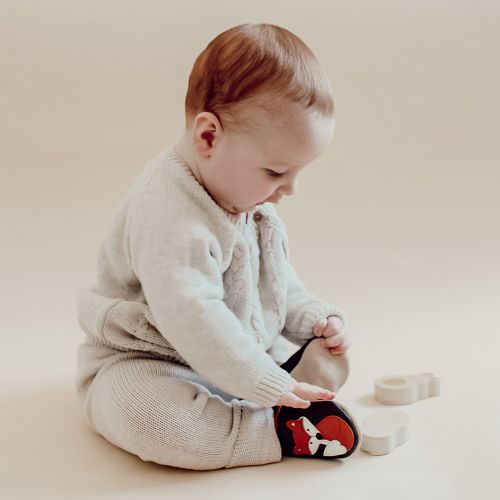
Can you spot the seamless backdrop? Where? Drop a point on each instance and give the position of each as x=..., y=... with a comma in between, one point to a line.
x=397, y=224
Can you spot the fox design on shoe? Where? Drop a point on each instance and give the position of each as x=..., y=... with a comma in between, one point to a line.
x=325, y=429
x=332, y=436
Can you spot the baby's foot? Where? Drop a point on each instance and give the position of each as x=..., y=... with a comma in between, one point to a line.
x=324, y=430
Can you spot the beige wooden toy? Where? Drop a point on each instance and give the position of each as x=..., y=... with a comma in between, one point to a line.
x=384, y=430
x=405, y=389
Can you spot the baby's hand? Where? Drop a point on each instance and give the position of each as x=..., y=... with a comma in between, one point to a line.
x=302, y=393
x=335, y=338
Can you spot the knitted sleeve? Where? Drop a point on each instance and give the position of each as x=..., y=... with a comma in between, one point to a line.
x=178, y=263
x=303, y=308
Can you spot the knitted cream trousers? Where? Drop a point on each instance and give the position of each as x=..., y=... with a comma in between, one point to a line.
x=166, y=413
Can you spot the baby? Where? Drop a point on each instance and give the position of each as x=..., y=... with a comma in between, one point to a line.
x=184, y=362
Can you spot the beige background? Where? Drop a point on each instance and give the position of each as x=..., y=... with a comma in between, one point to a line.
x=397, y=224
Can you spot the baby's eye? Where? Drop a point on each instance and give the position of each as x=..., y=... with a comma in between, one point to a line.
x=272, y=173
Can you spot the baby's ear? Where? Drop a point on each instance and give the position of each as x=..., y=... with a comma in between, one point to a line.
x=209, y=137
x=204, y=131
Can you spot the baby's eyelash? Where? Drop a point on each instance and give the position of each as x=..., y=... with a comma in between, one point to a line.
x=272, y=173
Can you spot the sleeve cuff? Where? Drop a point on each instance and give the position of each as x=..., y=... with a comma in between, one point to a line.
x=314, y=314
x=274, y=383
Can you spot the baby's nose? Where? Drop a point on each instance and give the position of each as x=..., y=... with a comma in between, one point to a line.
x=289, y=187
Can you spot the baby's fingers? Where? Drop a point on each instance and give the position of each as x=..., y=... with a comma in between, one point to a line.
x=312, y=392
x=290, y=399
x=319, y=327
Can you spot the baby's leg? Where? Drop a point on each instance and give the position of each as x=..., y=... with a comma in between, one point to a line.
x=166, y=413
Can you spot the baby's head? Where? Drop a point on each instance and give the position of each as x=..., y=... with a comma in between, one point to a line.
x=259, y=108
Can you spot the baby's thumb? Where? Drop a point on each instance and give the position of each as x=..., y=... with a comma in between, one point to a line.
x=320, y=326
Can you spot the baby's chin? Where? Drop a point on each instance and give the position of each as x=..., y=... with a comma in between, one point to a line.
x=238, y=210
x=235, y=210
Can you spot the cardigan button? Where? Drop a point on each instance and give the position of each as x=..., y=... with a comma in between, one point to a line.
x=257, y=216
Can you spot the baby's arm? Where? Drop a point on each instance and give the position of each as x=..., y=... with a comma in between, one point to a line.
x=179, y=266
x=303, y=310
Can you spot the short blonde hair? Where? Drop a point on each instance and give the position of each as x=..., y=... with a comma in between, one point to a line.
x=256, y=66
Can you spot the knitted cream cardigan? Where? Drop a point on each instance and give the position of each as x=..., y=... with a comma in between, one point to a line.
x=179, y=276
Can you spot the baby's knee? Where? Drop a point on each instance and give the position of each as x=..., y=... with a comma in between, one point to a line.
x=185, y=437
x=189, y=428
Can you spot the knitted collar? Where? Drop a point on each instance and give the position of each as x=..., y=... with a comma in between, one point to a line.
x=173, y=159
